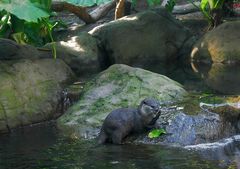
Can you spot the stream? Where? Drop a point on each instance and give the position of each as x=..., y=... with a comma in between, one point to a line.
x=42, y=146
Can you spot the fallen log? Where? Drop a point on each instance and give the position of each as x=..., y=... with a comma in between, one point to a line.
x=184, y=9
x=82, y=12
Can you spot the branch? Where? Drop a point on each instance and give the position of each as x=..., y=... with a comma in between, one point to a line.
x=82, y=13
x=188, y=8
x=102, y=10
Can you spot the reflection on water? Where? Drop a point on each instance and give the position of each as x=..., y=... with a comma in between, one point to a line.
x=43, y=147
x=223, y=78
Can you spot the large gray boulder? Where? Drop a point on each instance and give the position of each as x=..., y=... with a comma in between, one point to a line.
x=145, y=39
x=30, y=91
x=118, y=86
x=221, y=45
x=81, y=53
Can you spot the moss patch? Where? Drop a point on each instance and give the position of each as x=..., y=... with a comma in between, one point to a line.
x=117, y=87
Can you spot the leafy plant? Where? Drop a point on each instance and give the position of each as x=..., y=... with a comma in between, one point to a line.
x=156, y=133
x=170, y=5
x=86, y=2
x=27, y=21
x=153, y=2
x=212, y=11
x=24, y=9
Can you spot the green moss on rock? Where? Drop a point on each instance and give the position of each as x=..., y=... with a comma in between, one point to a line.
x=118, y=86
x=29, y=90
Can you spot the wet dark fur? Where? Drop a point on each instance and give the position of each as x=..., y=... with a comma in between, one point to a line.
x=121, y=122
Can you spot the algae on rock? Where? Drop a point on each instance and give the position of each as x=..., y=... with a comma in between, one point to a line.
x=30, y=90
x=118, y=86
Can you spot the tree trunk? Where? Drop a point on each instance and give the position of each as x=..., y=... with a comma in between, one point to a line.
x=216, y=17
x=102, y=10
x=187, y=8
x=79, y=11
x=119, y=11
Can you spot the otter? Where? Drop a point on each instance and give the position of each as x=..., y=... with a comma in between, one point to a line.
x=121, y=122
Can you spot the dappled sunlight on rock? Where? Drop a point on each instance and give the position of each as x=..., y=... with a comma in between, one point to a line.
x=73, y=44
x=81, y=53
x=129, y=18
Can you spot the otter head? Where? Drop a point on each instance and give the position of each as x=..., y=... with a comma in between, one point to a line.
x=149, y=110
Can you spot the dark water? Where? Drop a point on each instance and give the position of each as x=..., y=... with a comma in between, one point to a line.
x=43, y=147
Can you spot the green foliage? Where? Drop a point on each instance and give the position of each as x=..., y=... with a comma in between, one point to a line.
x=209, y=5
x=86, y=2
x=24, y=9
x=154, y=2
x=27, y=21
x=170, y=5
x=4, y=19
x=156, y=133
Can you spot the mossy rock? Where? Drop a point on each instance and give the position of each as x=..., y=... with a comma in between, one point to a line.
x=118, y=86
x=30, y=90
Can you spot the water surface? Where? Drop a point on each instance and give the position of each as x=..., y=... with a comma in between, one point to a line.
x=42, y=146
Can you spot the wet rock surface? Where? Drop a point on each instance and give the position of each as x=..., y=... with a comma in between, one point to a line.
x=183, y=129
x=30, y=91
x=220, y=77
x=213, y=133
x=117, y=87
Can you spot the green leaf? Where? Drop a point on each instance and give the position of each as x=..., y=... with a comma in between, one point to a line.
x=204, y=4
x=153, y=2
x=170, y=5
x=218, y=4
x=134, y=3
x=23, y=9
x=43, y=4
x=4, y=25
x=86, y=2
x=20, y=38
x=156, y=133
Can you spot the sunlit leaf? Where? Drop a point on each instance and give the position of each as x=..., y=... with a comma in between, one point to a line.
x=156, y=133
x=43, y=4
x=4, y=25
x=204, y=4
x=20, y=38
x=23, y=9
